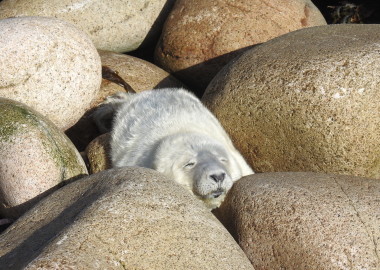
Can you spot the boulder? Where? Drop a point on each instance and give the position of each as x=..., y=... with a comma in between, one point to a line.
x=114, y=25
x=305, y=101
x=305, y=220
x=139, y=74
x=97, y=153
x=200, y=37
x=125, y=218
x=36, y=158
x=49, y=65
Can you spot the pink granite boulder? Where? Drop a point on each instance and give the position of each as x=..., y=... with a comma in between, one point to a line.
x=49, y=65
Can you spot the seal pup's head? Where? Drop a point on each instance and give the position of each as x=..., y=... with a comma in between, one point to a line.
x=198, y=162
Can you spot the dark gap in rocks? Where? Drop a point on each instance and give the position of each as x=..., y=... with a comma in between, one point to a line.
x=353, y=11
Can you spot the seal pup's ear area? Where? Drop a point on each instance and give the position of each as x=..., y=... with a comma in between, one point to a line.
x=105, y=113
x=164, y=157
x=240, y=165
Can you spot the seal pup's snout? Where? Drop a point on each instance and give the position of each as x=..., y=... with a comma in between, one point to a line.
x=218, y=177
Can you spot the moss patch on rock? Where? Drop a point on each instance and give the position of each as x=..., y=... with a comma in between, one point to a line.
x=17, y=118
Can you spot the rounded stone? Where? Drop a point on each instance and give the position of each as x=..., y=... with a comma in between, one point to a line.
x=305, y=101
x=36, y=157
x=125, y=218
x=49, y=65
x=200, y=37
x=98, y=152
x=305, y=220
x=139, y=74
x=115, y=25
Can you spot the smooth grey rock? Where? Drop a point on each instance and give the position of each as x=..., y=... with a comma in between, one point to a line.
x=306, y=221
x=126, y=218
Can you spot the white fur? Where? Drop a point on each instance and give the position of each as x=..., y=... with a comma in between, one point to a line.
x=169, y=130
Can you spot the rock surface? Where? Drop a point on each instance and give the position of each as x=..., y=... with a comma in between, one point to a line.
x=306, y=220
x=115, y=25
x=129, y=218
x=36, y=157
x=305, y=101
x=139, y=74
x=97, y=153
x=200, y=37
x=49, y=65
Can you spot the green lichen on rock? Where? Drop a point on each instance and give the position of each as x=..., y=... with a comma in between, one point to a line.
x=18, y=118
x=14, y=118
x=62, y=150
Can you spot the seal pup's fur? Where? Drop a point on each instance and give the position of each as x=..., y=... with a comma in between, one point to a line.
x=171, y=131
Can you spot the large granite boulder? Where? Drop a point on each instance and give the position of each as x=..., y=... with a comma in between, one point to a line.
x=305, y=220
x=126, y=218
x=36, y=158
x=49, y=65
x=115, y=25
x=200, y=37
x=305, y=101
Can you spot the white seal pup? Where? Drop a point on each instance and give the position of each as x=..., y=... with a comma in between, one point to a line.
x=171, y=131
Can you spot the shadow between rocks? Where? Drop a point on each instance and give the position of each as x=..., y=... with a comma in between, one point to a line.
x=83, y=131
x=31, y=247
x=361, y=11
x=146, y=50
x=198, y=76
x=24, y=207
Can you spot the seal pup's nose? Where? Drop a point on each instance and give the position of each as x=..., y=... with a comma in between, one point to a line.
x=218, y=177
